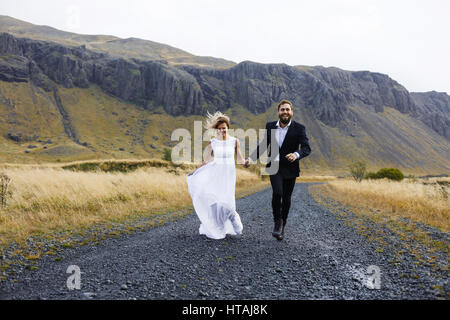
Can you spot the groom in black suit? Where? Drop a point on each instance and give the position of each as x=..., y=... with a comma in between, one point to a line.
x=289, y=135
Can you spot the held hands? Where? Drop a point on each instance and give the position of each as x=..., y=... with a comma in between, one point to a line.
x=291, y=157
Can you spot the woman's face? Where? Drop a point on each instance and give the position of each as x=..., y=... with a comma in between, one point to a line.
x=222, y=130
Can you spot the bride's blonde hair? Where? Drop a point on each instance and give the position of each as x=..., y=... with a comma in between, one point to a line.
x=213, y=120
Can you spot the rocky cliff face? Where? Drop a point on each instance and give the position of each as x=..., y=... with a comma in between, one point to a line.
x=123, y=48
x=147, y=83
x=434, y=110
x=326, y=92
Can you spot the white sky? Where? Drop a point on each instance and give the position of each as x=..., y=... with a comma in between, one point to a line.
x=406, y=39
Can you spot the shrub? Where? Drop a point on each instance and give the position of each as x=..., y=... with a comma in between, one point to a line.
x=357, y=170
x=371, y=175
x=4, y=182
x=167, y=154
x=389, y=173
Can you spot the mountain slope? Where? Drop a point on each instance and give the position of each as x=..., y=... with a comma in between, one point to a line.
x=93, y=104
x=112, y=128
x=434, y=110
x=127, y=48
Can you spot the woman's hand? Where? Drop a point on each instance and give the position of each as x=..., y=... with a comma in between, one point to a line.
x=203, y=163
x=240, y=158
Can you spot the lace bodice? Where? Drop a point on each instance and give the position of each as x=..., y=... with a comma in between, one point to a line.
x=224, y=150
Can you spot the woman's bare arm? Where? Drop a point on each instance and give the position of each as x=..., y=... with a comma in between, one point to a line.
x=240, y=158
x=208, y=154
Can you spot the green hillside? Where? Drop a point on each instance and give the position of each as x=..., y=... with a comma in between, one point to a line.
x=111, y=128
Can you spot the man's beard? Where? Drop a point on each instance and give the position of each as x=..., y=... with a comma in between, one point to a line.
x=285, y=120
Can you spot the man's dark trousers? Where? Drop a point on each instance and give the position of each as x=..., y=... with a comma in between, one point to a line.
x=281, y=197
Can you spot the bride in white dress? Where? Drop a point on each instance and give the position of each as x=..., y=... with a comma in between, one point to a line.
x=212, y=185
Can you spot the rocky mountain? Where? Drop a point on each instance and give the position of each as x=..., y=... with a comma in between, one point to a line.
x=348, y=114
x=114, y=46
x=433, y=108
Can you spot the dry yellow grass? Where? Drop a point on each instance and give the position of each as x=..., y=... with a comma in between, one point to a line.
x=154, y=161
x=425, y=203
x=436, y=179
x=316, y=178
x=46, y=199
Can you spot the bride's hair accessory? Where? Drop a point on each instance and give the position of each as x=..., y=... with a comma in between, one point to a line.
x=213, y=120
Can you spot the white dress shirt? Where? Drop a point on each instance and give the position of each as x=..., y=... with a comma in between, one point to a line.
x=280, y=135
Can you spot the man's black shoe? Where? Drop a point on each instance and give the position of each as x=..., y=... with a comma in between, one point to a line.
x=282, y=229
x=277, y=229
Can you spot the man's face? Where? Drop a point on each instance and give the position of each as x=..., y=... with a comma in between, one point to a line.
x=285, y=113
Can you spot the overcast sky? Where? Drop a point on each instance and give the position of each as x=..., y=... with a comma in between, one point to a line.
x=406, y=39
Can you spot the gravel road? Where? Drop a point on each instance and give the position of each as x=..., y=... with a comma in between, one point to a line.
x=320, y=258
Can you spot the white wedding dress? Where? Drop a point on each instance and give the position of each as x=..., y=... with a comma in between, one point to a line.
x=212, y=189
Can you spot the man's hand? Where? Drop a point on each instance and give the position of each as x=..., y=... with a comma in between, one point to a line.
x=291, y=157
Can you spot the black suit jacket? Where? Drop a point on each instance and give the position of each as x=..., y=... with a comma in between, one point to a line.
x=295, y=137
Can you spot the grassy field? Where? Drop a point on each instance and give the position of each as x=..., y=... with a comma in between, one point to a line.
x=407, y=222
x=48, y=198
x=420, y=200
x=76, y=195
